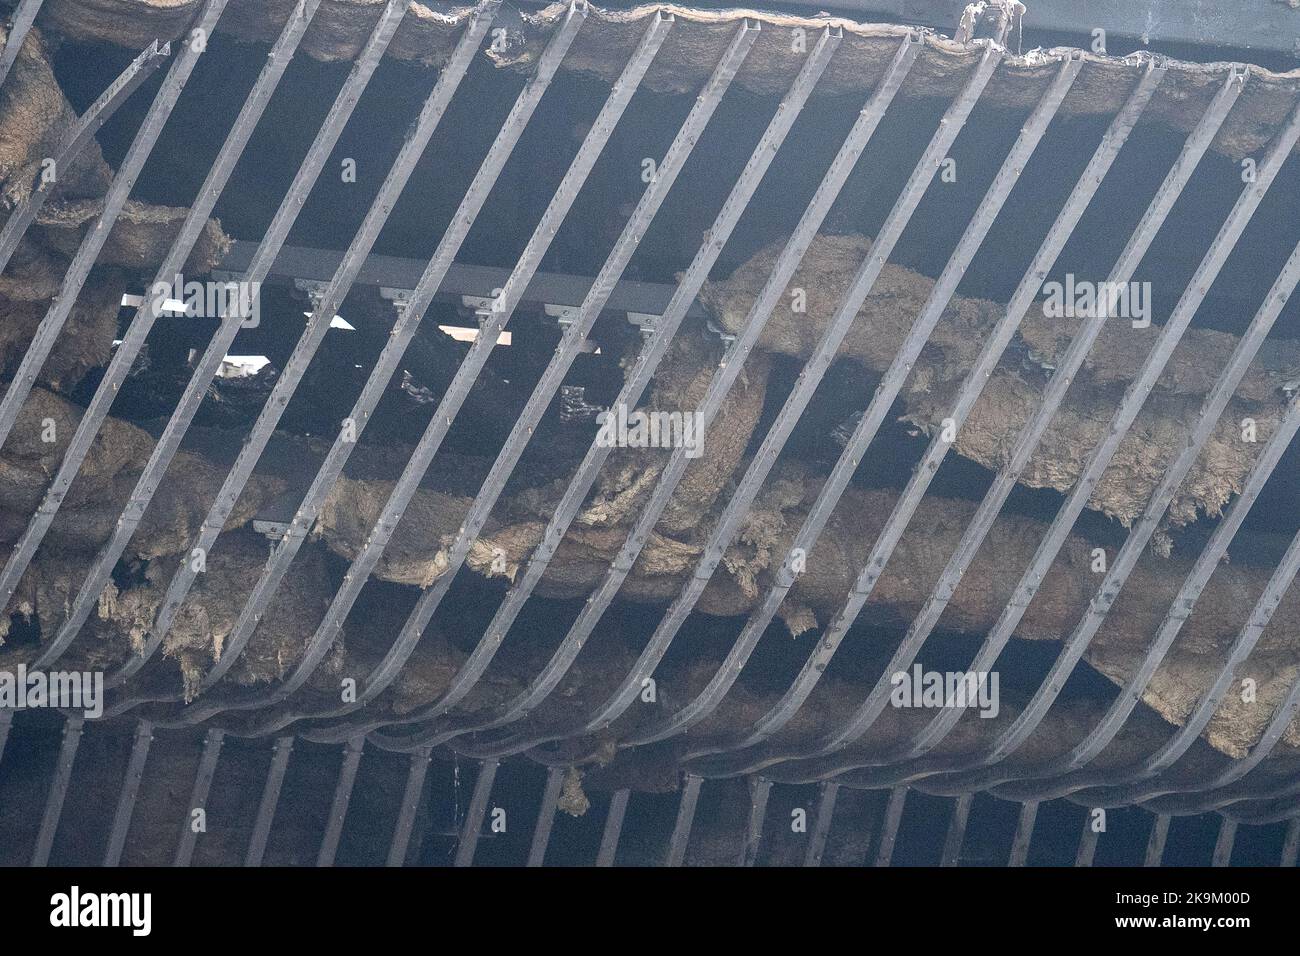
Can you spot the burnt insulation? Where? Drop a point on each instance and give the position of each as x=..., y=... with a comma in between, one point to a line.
x=457, y=661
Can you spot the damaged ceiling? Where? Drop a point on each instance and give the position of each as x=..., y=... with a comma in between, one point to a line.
x=214, y=545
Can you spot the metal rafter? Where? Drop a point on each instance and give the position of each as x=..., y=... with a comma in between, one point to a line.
x=412, y=798
x=130, y=792
x=655, y=350
x=889, y=825
x=212, y=744
x=613, y=828
x=342, y=798
x=760, y=789
x=280, y=755
x=195, y=390
x=76, y=139
x=1209, y=559
x=546, y=816
x=73, y=728
x=882, y=399
x=1024, y=833
x=1134, y=397
x=19, y=26
x=473, y=823
x=826, y=794
x=142, y=322
x=765, y=458
x=92, y=243
x=323, y=310
x=376, y=384
x=999, y=337
x=562, y=201
x=681, y=834
x=956, y=835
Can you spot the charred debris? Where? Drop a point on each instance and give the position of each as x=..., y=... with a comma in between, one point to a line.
x=79, y=47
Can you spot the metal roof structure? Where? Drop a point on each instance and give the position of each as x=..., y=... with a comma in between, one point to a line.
x=277, y=717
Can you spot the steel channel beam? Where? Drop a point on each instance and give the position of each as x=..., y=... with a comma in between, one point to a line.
x=889, y=826
x=1224, y=843
x=613, y=828
x=681, y=834
x=759, y=790
x=1087, y=843
x=841, y=167
x=412, y=149
x=952, y=843
x=546, y=816
x=473, y=824
x=1291, y=845
x=1134, y=397
x=1024, y=833
x=883, y=398
x=1269, y=814
x=342, y=797
x=420, y=835
x=1202, y=794
x=571, y=346
x=212, y=743
x=1180, y=610
x=6, y=723
x=196, y=389
x=1026, y=442
x=1028, y=438
x=826, y=794
x=765, y=458
x=649, y=204
x=1271, y=789
x=411, y=800
x=1112, y=722
x=998, y=339
x=72, y=731
x=19, y=26
x=130, y=792
x=1156, y=841
x=1184, y=796
x=462, y=279
x=142, y=322
x=400, y=336
x=732, y=208
x=77, y=138
x=270, y=800
x=93, y=241
x=989, y=507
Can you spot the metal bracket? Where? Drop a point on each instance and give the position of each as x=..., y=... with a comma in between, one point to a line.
x=271, y=530
x=566, y=315
x=644, y=321
x=401, y=298
x=481, y=305
x=563, y=314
